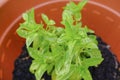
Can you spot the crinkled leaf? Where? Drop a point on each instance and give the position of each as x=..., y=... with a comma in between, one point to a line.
x=92, y=61
x=34, y=66
x=47, y=21
x=30, y=39
x=40, y=71
x=34, y=53
x=85, y=74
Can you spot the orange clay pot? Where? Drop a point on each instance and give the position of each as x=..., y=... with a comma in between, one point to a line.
x=103, y=16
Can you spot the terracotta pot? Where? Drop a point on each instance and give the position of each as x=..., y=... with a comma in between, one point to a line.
x=103, y=16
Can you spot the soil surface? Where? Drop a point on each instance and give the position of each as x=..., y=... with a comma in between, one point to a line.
x=109, y=69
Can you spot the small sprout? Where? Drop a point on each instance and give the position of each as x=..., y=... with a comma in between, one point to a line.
x=64, y=53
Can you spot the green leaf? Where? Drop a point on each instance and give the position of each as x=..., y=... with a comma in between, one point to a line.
x=22, y=33
x=30, y=39
x=50, y=69
x=34, y=53
x=71, y=7
x=92, y=61
x=34, y=66
x=82, y=4
x=40, y=71
x=29, y=16
x=86, y=74
x=45, y=18
x=67, y=16
x=47, y=21
x=51, y=22
x=25, y=16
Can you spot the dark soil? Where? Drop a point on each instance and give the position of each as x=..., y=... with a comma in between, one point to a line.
x=109, y=69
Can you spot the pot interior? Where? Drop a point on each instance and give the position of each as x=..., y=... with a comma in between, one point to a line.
x=100, y=18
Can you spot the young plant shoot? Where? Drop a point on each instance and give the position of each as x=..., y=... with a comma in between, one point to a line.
x=64, y=53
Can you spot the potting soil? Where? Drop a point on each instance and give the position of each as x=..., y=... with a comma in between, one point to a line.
x=109, y=69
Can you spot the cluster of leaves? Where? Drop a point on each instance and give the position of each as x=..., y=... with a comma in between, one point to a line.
x=65, y=53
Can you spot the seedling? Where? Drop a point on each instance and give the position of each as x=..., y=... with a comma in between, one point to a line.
x=64, y=53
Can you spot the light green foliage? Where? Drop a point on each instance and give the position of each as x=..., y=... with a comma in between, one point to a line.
x=65, y=53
